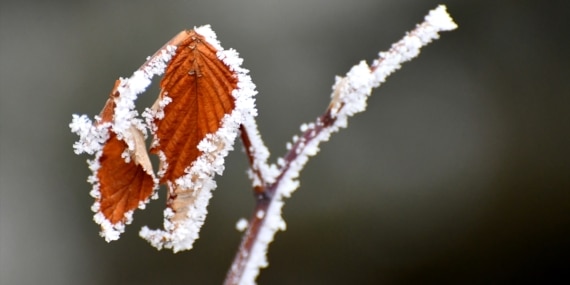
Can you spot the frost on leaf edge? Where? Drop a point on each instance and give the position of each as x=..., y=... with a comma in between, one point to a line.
x=181, y=234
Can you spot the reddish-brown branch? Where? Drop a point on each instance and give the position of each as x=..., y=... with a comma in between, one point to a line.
x=436, y=21
x=249, y=239
x=265, y=196
x=245, y=138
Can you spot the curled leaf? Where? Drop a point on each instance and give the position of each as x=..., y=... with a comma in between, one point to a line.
x=125, y=178
x=205, y=97
x=198, y=87
x=123, y=175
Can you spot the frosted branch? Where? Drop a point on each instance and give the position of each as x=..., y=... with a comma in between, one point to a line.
x=348, y=98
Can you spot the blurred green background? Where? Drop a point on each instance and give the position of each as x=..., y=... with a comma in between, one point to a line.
x=458, y=172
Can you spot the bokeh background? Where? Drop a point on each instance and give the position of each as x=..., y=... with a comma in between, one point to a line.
x=458, y=172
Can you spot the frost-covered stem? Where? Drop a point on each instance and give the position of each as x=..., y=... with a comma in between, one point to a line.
x=349, y=97
x=250, y=237
x=255, y=172
x=265, y=197
x=175, y=41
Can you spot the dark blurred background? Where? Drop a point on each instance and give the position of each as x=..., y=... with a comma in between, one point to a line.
x=457, y=173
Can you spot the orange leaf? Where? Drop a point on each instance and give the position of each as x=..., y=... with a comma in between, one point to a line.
x=200, y=86
x=196, y=120
x=124, y=175
x=123, y=186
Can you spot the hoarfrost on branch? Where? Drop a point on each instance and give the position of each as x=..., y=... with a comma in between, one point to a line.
x=348, y=98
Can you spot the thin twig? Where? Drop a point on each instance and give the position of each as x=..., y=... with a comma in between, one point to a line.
x=349, y=97
x=265, y=196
